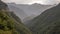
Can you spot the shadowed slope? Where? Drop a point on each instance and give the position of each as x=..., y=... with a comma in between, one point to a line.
x=47, y=23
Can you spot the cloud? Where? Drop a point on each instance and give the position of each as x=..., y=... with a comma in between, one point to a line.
x=33, y=1
x=49, y=1
x=7, y=1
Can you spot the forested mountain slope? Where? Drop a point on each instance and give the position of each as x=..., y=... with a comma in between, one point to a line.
x=9, y=23
x=20, y=27
x=46, y=23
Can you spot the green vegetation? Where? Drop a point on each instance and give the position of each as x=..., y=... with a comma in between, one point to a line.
x=20, y=27
x=10, y=23
x=6, y=23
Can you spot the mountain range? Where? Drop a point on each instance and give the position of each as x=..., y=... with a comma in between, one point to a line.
x=19, y=12
x=24, y=10
x=47, y=22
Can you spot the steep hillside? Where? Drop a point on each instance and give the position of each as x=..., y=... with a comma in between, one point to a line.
x=27, y=19
x=24, y=10
x=34, y=8
x=3, y=6
x=46, y=23
x=20, y=27
x=19, y=12
x=6, y=24
x=10, y=24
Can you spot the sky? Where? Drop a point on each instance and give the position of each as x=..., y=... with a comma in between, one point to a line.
x=32, y=1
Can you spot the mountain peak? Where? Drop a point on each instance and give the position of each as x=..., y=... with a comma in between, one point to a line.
x=43, y=4
x=47, y=22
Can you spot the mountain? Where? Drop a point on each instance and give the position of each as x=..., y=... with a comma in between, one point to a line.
x=6, y=23
x=47, y=22
x=19, y=26
x=10, y=23
x=34, y=8
x=27, y=19
x=3, y=6
x=19, y=12
x=25, y=10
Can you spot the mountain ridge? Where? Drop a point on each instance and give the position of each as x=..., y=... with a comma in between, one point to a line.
x=46, y=23
x=35, y=9
x=19, y=12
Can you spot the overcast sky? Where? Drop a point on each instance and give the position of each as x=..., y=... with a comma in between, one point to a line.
x=32, y=1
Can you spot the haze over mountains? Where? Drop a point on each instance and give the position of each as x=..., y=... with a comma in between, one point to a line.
x=25, y=10
x=17, y=11
x=47, y=22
